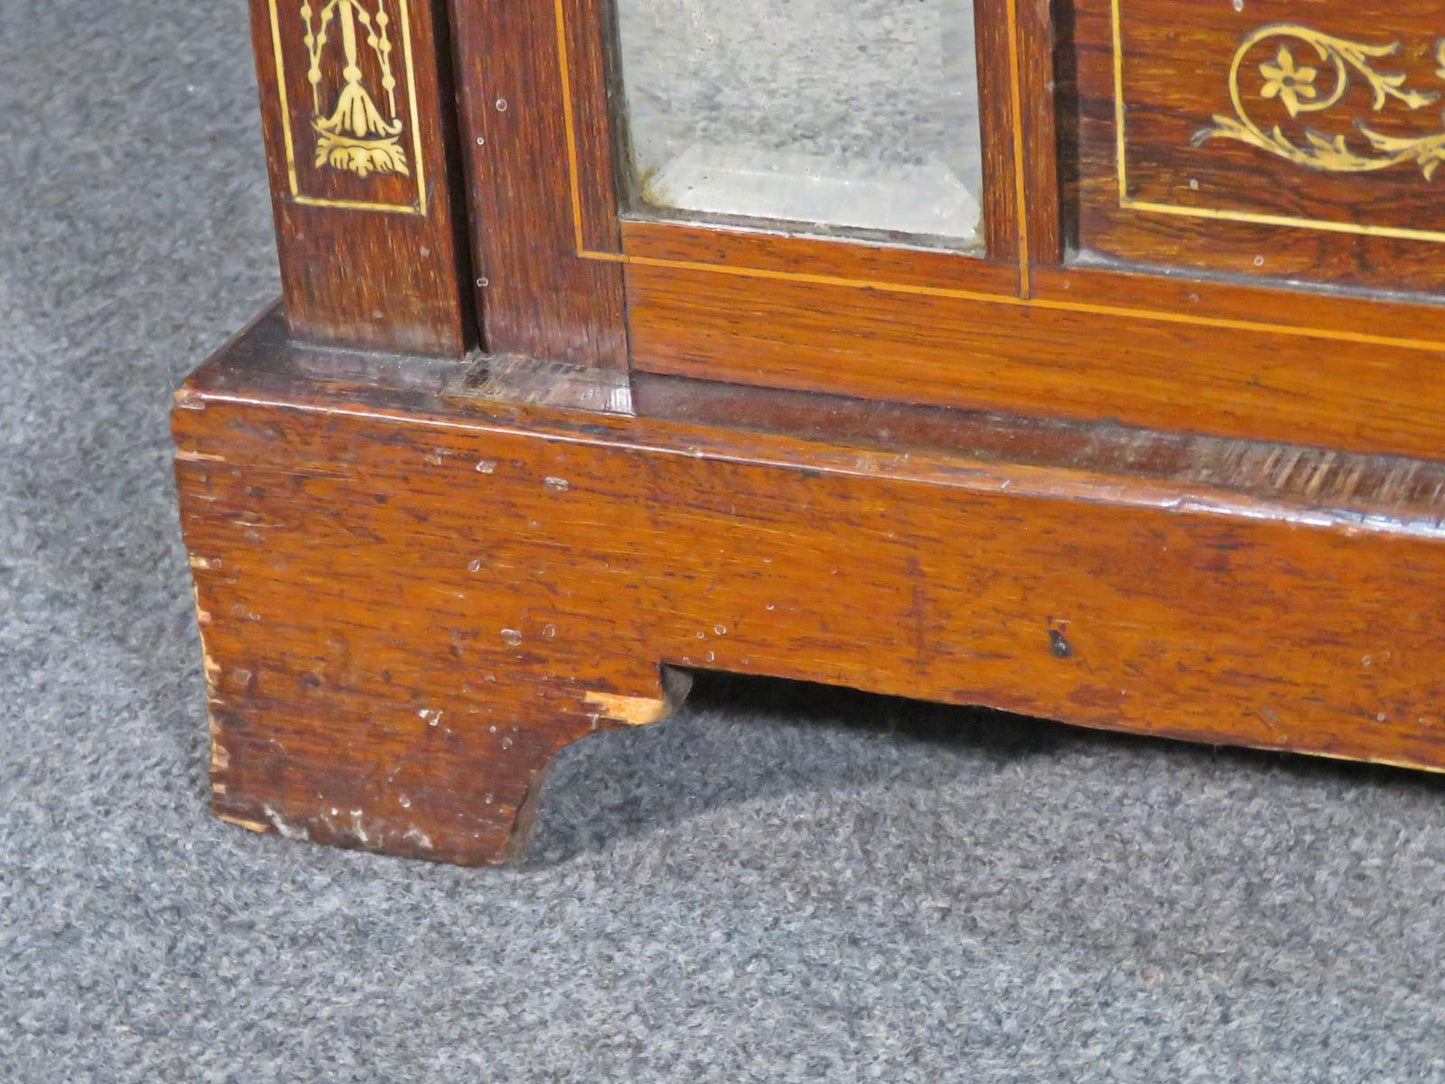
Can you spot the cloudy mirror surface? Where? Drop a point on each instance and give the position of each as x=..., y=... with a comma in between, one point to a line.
x=853, y=116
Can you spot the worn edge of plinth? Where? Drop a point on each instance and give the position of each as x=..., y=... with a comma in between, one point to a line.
x=1044, y=458
x=261, y=378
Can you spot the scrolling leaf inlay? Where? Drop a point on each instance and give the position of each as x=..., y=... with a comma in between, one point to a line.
x=354, y=136
x=1296, y=87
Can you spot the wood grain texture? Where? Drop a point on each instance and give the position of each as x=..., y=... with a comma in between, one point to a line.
x=648, y=240
x=1108, y=288
x=1037, y=95
x=1002, y=222
x=542, y=298
x=396, y=278
x=1341, y=317
x=1176, y=61
x=594, y=75
x=411, y=596
x=1246, y=381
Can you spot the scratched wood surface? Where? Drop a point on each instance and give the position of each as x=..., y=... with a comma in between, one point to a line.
x=413, y=592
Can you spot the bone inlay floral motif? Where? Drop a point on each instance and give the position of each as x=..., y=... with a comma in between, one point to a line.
x=354, y=135
x=1285, y=57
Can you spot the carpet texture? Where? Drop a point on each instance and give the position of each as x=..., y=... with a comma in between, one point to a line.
x=782, y=884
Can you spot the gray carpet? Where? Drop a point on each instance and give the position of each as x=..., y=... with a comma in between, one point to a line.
x=782, y=884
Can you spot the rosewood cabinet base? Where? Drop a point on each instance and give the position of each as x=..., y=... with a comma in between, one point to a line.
x=416, y=580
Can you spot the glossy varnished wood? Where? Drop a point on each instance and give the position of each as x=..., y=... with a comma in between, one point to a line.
x=414, y=589
x=1085, y=351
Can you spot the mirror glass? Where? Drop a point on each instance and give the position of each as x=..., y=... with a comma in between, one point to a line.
x=820, y=116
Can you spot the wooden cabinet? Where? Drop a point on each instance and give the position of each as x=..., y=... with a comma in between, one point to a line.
x=1077, y=359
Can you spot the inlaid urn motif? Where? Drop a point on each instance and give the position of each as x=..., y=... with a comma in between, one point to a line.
x=353, y=134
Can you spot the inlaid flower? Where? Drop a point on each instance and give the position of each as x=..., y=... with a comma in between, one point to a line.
x=1290, y=84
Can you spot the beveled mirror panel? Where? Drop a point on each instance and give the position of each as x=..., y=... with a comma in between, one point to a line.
x=824, y=116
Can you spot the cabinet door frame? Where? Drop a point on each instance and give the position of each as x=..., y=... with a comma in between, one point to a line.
x=569, y=275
